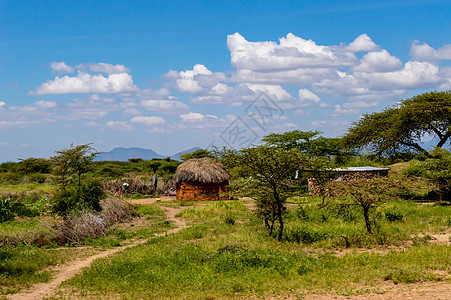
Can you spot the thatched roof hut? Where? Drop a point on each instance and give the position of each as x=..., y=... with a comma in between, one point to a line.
x=201, y=179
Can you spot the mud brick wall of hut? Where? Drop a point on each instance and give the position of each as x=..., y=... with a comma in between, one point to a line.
x=198, y=191
x=343, y=176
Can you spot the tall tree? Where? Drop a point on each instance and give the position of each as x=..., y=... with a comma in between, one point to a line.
x=404, y=126
x=269, y=169
x=310, y=142
x=199, y=153
x=74, y=160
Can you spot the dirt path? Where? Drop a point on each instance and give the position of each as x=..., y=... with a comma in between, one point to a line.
x=67, y=271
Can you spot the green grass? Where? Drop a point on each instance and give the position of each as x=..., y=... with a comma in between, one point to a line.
x=197, y=263
x=27, y=188
x=217, y=259
x=227, y=253
x=21, y=266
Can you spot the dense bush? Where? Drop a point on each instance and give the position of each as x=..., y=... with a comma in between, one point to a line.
x=6, y=213
x=12, y=205
x=88, y=196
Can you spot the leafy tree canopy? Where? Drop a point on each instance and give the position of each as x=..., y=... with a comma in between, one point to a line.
x=74, y=160
x=269, y=169
x=404, y=126
x=310, y=142
x=200, y=153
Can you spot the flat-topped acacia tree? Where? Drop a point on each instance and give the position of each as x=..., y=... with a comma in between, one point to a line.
x=404, y=126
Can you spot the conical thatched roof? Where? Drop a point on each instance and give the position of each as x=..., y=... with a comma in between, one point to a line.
x=205, y=170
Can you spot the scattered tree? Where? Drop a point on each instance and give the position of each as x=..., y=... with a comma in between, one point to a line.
x=310, y=142
x=403, y=126
x=74, y=160
x=34, y=165
x=269, y=169
x=199, y=153
x=367, y=193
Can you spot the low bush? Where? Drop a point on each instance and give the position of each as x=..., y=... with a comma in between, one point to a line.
x=115, y=210
x=393, y=215
x=88, y=196
x=83, y=224
x=6, y=213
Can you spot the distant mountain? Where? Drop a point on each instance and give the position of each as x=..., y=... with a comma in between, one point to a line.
x=124, y=154
x=177, y=156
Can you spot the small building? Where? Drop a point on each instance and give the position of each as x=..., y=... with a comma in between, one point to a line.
x=359, y=172
x=349, y=173
x=201, y=179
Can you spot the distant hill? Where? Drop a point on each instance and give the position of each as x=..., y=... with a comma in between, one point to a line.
x=177, y=155
x=124, y=154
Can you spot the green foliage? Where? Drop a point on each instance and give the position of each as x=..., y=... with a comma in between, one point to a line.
x=403, y=126
x=34, y=165
x=437, y=169
x=310, y=142
x=75, y=198
x=76, y=160
x=200, y=153
x=393, y=215
x=22, y=266
x=6, y=213
x=11, y=206
x=167, y=167
x=364, y=192
x=270, y=169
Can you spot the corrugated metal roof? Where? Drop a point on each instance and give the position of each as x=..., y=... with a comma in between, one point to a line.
x=359, y=169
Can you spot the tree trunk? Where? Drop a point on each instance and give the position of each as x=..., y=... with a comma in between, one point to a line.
x=279, y=212
x=366, y=215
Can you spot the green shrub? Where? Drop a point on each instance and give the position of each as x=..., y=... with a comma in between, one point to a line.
x=305, y=235
x=6, y=213
x=73, y=198
x=229, y=219
x=393, y=215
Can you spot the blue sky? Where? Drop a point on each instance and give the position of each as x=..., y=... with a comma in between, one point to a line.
x=171, y=75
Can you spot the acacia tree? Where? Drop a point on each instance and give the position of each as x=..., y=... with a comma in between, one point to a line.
x=310, y=142
x=403, y=126
x=366, y=193
x=74, y=160
x=269, y=169
x=199, y=153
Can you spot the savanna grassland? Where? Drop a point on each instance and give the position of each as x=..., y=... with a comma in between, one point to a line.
x=381, y=237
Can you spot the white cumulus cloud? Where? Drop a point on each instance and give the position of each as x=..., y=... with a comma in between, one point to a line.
x=363, y=43
x=195, y=116
x=60, y=67
x=87, y=83
x=169, y=107
x=380, y=61
x=103, y=67
x=292, y=52
x=118, y=125
x=148, y=121
x=424, y=52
